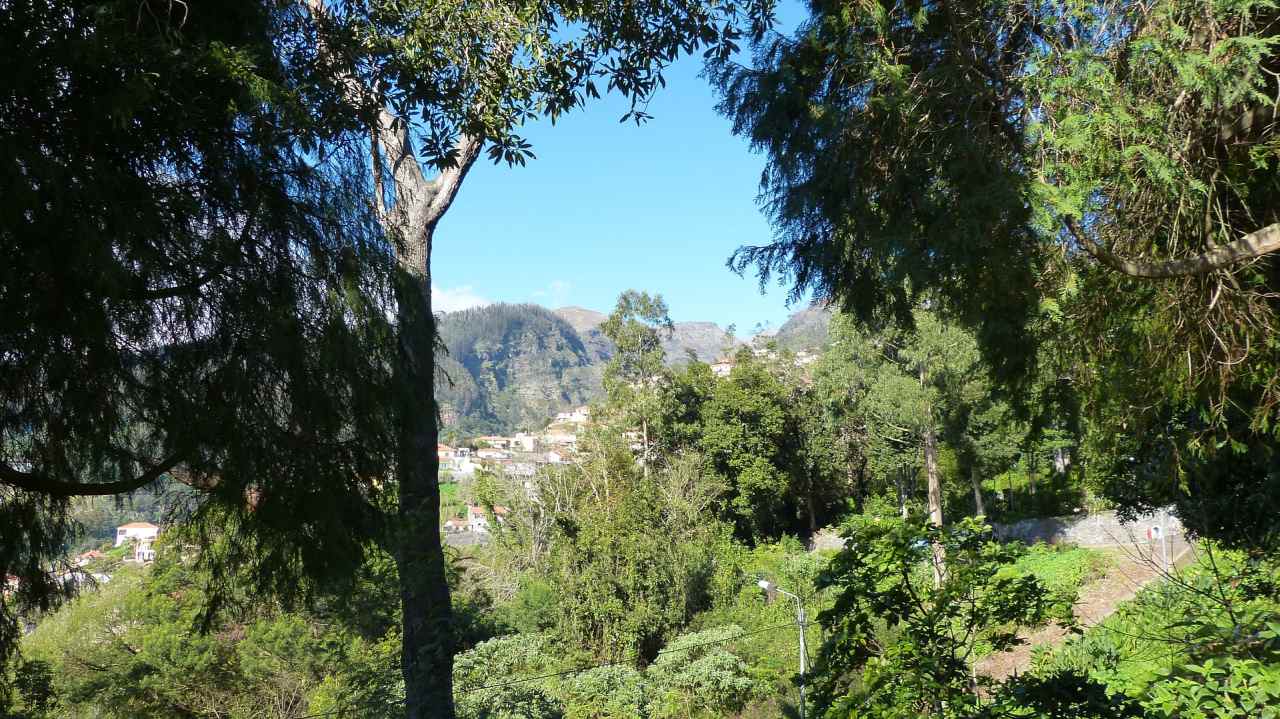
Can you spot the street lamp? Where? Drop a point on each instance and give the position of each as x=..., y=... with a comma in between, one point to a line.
x=770, y=589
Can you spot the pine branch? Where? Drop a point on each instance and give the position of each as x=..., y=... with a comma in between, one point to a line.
x=32, y=482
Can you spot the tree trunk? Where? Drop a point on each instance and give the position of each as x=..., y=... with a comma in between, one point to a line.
x=428, y=641
x=644, y=437
x=900, y=485
x=935, y=500
x=978, y=506
x=935, y=484
x=813, y=515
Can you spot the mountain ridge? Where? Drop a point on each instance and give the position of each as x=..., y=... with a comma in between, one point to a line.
x=511, y=366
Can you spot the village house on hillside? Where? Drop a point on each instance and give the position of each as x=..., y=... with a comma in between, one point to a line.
x=138, y=531
x=143, y=535
x=578, y=415
x=494, y=441
x=560, y=436
x=479, y=518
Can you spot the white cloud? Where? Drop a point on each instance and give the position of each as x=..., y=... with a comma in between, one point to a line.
x=555, y=295
x=446, y=299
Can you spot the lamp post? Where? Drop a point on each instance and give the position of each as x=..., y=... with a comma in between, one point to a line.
x=770, y=589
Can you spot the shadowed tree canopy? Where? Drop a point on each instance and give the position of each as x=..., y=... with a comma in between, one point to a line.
x=1104, y=176
x=1000, y=152
x=189, y=290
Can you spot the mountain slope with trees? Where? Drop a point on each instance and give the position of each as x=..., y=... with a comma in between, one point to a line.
x=512, y=367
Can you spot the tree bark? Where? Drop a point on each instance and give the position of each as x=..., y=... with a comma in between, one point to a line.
x=428, y=639
x=978, y=505
x=428, y=643
x=935, y=500
x=1254, y=244
x=33, y=482
x=935, y=485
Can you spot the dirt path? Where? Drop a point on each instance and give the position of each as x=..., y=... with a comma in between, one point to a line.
x=1131, y=569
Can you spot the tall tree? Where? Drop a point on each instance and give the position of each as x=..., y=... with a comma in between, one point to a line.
x=437, y=84
x=190, y=289
x=1116, y=159
x=635, y=377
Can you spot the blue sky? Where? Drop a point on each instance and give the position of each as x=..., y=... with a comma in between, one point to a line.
x=609, y=206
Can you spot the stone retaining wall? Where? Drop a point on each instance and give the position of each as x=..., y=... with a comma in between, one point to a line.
x=1097, y=529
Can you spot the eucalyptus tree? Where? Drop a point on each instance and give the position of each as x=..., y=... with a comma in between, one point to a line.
x=1117, y=159
x=190, y=289
x=635, y=378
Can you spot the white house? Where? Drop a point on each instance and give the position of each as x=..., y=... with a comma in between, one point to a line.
x=487, y=453
x=578, y=415
x=137, y=531
x=521, y=469
x=524, y=441
x=479, y=518
x=142, y=534
x=722, y=368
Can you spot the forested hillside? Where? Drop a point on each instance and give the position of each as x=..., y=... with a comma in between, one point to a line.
x=512, y=367
x=806, y=329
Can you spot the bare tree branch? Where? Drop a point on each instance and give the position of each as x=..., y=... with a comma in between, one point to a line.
x=32, y=482
x=1255, y=244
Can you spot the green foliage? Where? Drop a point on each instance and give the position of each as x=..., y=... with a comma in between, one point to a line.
x=187, y=282
x=627, y=571
x=696, y=676
x=1050, y=175
x=901, y=645
x=748, y=435
x=608, y=692
x=1062, y=571
x=1202, y=645
x=896, y=161
x=133, y=649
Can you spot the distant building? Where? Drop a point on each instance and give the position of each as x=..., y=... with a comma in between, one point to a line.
x=560, y=437
x=524, y=442
x=137, y=531
x=143, y=535
x=487, y=453
x=557, y=456
x=479, y=518
x=578, y=415
x=495, y=441
x=87, y=557
x=722, y=368
x=521, y=469
x=444, y=452
x=455, y=525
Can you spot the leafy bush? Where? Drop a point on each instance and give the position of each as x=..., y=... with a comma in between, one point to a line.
x=1062, y=570
x=695, y=675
